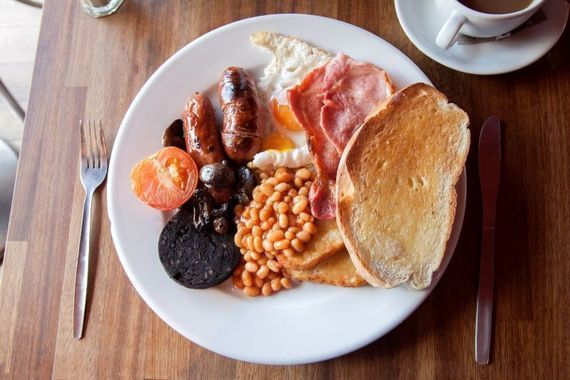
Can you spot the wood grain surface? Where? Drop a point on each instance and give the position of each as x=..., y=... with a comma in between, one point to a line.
x=92, y=68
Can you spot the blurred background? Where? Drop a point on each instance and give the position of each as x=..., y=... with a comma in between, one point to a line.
x=19, y=28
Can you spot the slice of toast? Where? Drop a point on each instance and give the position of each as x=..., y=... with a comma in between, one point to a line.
x=337, y=270
x=323, y=245
x=396, y=186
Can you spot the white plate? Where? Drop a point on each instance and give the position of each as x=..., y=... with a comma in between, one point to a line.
x=421, y=23
x=307, y=324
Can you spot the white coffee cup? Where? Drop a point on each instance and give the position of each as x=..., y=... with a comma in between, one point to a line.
x=478, y=24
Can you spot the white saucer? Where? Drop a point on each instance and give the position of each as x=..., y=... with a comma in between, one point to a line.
x=421, y=22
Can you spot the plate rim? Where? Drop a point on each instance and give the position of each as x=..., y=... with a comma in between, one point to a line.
x=461, y=190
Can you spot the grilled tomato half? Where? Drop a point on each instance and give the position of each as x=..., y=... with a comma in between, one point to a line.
x=166, y=179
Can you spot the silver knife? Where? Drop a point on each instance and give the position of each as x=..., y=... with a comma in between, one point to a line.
x=489, y=177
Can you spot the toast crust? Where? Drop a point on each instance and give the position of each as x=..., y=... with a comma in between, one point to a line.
x=396, y=187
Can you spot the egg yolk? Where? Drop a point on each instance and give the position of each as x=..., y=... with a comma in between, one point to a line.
x=284, y=116
x=278, y=141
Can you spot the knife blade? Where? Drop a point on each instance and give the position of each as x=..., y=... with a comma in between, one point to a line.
x=489, y=177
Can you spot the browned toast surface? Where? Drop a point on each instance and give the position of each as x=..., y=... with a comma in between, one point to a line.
x=324, y=244
x=337, y=270
x=396, y=186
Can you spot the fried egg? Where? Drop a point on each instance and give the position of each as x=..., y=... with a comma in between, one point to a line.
x=292, y=158
x=292, y=60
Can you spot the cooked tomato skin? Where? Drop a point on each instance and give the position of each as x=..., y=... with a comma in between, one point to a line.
x=166, y=179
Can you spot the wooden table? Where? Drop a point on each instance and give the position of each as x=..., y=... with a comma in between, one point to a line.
x=92, y=68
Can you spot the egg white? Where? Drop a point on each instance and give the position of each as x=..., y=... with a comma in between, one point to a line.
x=292, y=60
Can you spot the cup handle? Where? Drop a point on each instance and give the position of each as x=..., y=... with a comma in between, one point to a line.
x=449, y=30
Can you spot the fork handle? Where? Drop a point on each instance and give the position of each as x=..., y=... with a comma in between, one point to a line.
x=82, y=272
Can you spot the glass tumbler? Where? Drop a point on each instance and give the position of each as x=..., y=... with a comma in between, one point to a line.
x=100, y=8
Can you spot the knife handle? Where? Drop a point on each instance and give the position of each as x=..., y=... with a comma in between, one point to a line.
x=484, y=322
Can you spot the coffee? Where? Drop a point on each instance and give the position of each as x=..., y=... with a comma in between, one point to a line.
x=496, y=6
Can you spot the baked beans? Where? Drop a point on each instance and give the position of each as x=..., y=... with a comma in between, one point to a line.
x=277, y=221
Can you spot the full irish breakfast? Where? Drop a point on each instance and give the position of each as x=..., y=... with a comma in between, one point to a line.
x=321, y=170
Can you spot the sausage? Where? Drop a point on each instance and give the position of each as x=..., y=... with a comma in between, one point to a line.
x=202, y=135
x=243, y=127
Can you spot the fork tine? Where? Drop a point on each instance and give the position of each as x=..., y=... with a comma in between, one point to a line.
x=84, y=160
x=93, y=143
x=96, y=152
x=88, y=143
x=102, y=146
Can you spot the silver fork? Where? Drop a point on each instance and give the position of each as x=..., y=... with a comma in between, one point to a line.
x=93, y=169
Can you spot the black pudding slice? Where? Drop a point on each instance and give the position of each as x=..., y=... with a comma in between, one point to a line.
x=195, y=259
